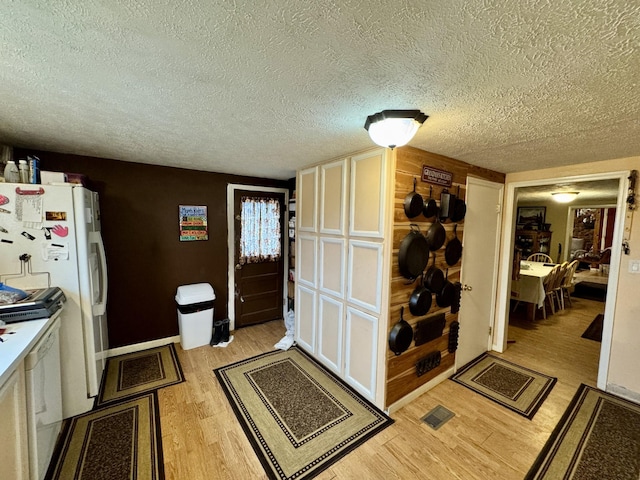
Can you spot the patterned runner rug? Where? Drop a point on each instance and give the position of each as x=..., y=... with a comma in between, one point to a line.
x=598, y=437
x=299, y=418
x=118, y=442
x=517, y=388
x=136, y=373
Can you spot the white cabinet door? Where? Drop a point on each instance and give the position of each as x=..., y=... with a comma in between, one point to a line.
x=361, y=352
x=14, y=458
x=307, y=193
x=367, y=195
x=332, y=265
x=330, y=332
x=365, y=275
x=306, y=324
x=306, y=259
x=333, y=197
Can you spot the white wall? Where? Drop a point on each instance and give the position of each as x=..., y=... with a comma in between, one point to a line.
x=625, y=348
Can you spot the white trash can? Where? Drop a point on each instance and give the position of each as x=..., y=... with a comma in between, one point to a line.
x=195, y=314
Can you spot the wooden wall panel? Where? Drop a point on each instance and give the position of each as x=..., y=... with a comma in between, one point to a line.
x=402, y=378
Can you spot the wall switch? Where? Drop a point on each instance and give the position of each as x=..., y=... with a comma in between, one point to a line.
x=634, y=266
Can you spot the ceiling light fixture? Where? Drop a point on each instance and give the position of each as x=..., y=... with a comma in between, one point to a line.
x=394, y=128
x=564, y=197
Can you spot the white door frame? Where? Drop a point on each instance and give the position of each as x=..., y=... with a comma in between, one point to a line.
x=508, y=232
x=231, y=190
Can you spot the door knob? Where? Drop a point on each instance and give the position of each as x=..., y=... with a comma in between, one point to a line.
x=238, y=266
x=467, y=288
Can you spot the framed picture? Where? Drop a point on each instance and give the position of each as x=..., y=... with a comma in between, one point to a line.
x=528, y=215
x=193, y=223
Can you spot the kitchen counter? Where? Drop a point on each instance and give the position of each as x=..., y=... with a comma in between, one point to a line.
x=18, y=340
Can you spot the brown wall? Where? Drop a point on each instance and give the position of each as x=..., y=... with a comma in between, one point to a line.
x=145, y=259
x=401, y=371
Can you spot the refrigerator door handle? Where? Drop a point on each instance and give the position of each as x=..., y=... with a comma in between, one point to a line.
x=100, y=307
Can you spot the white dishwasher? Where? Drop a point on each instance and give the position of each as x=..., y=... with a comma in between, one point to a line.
x=44, y=400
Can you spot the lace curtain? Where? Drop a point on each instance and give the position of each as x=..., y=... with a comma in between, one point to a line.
x=260, y=232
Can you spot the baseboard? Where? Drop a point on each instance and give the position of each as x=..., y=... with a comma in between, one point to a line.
x=623, y=392
x=420, y=390
x=137, y=347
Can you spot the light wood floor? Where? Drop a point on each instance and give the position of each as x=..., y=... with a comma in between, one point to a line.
x=202, y=439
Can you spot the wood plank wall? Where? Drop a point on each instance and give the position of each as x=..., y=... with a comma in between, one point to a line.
x=402, y=378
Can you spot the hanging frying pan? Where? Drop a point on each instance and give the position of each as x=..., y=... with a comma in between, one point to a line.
x=434, y=278
x=459, y=208
x=445, y=297
x=413, y=203
x=413, y=255
x=401, y=335
x=453, y=252
x=447, y=201
x=430, y=206
x=436, y=235
x=420, y=301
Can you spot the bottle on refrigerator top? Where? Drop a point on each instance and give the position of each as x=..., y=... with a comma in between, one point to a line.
x=11, y=172
x=34, y=169
x=23, y=168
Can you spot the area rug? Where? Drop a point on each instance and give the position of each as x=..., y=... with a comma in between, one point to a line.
x=136, y=373
x=594, y=330
x=512, y=386
x=299, y=418
x=598, y=437
x=121, y=441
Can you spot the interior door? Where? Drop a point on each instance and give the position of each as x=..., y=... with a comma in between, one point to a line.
x=258, y=282
x=479, y=274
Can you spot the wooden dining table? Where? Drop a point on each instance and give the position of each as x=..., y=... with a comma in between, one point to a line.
x=530, y=287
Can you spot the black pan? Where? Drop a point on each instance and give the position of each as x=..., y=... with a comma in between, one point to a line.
x=401, y=335
x=434, y=278
x=413, y=255
x=413, y=203
x=436, y=235
x=447, y=200
x=420, y=301
x=453, y=252
x=459, y=208
x=445, y=297
x=430, y=206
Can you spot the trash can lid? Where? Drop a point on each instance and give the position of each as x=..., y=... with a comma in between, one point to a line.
x=195, y=293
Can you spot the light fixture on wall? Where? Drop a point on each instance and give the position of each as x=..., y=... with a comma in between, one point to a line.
x=564, y=197
x=394, y=128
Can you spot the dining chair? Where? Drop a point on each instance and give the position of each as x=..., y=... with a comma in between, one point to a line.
x=567, y=282
x=540, y=257
x=549, y=285
x=557, y=284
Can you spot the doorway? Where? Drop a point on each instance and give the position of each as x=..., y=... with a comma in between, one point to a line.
x=258, y=254
x=500, y=338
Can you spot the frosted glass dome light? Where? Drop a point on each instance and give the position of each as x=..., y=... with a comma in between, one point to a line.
x=394, y=128
x=564, y=197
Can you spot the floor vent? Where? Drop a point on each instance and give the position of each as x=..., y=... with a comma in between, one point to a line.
x=438, y=417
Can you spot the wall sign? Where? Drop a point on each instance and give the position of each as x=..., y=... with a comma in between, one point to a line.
x=437, y=177
x=193, y=223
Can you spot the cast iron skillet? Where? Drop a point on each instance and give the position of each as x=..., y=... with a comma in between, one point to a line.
x=434, y=279
x=401, y=335
x=453, y=252
x=447, y=201
x=436, y=235
x=413, y=203
x=413, y=255
x=459, y=208
x=446, y=296
x=420, y=301
x=430, y=206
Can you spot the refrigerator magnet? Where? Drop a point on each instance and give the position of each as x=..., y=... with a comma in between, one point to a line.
x=60, y=231
x=28, y=235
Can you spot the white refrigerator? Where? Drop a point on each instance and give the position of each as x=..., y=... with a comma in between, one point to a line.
x=50, y=236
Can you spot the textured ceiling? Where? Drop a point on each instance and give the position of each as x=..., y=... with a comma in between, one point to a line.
x=595, y=192
x=263, y=87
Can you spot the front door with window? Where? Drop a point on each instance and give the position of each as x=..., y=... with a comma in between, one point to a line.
x=259, y=260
